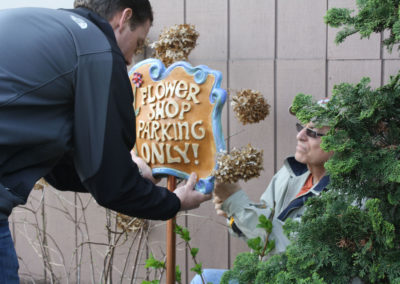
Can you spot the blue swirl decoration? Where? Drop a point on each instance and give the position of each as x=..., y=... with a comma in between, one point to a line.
x=218, y=96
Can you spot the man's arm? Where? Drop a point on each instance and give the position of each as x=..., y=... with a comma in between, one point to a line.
x=104, y=138
x=64, y=176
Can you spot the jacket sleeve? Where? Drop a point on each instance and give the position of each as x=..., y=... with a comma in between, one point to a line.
x=245, y=216
x=246, y=213
x=103, y=138
x=64, y=176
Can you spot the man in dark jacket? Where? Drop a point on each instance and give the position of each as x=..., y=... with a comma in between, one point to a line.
x=66, y=115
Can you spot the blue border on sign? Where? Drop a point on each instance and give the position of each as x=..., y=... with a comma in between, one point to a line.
x=217, y=97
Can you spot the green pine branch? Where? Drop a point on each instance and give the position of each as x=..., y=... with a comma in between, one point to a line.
x=374, y=16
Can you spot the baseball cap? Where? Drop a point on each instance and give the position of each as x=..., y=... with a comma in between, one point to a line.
x=321, y=102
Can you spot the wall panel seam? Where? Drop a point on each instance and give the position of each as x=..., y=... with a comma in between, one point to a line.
x=275, y=86
x=228, y=57
x=381, y=58
x=326, y=54
x=186, y=216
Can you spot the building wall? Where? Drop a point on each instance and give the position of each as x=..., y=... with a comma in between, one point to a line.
x=280, y=48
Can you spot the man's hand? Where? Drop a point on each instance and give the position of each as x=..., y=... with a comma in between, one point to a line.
x=190, y=198
x=224, y=190
x=218, y=207
x=144, y=168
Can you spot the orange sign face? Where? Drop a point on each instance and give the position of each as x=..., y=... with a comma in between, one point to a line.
x=178, y=118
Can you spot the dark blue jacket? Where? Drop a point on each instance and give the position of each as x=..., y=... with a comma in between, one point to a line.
x=66, y=113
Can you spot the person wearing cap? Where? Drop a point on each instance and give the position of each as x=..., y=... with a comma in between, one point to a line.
x=300, y=178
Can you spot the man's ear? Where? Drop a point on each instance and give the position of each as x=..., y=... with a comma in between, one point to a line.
x=121, y=18
x=124, y=18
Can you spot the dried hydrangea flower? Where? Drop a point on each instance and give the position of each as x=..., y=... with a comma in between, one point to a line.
x=250, y=106
x=175, y=44
x=130, y=224
x=239, y=164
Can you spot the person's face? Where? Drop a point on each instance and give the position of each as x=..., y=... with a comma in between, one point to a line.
x=308, y=150
x=130, y=40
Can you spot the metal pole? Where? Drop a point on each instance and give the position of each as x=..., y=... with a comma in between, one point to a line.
x=171, y=239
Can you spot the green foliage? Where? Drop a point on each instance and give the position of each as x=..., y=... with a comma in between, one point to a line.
x=151, y=282
x=183, y=233
x=193, y=252
x=255, y=244
x=350, y=231
x=249, y=266
x=265, y=224
x=198, y=268
x=373, y=16
x=244, y=270
x=178, y=274
x=151, y=262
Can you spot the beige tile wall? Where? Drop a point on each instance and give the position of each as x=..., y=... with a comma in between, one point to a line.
x=280, y=48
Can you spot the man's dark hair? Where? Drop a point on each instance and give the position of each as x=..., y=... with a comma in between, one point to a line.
x=141, y=9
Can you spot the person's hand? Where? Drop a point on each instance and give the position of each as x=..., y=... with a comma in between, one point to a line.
x=144, y=168
x=218, y=207
x=190, y=198
x=224, y=190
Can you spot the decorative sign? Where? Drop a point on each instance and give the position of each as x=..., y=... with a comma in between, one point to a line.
x=178, y=119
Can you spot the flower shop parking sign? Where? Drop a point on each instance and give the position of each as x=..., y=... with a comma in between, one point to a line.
x=178, y=119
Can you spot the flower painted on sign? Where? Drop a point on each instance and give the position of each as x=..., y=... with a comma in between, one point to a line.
x=137, y=79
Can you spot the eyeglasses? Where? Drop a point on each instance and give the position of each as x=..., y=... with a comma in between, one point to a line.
x=309, y=132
